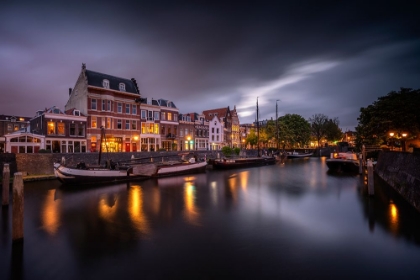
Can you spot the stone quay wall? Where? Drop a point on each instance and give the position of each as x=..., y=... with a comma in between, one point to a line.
x=402, y=172
x=42, y=164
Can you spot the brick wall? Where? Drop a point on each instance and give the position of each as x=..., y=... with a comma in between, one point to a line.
x=402, y=172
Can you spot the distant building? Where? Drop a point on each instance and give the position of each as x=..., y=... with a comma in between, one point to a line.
x=220, y=127
x=65, y=132
x=10, y=124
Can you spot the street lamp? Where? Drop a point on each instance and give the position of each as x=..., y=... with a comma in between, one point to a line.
x=403, y=141
x=188, y=143
x=392, y=143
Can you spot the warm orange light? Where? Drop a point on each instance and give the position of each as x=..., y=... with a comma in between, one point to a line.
x=404, y=135
x=391, y=134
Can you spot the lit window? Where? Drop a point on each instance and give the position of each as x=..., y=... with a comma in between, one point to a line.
x=105, y=83
x=169, y=116
x=94, y=123
x=51, y=128
x=122, y=87
x=60, y=128
x=108, y=122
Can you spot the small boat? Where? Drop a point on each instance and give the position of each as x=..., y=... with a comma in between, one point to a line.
x=298, y=155
x=83, y=174
x=343, y=162
x=231, y=163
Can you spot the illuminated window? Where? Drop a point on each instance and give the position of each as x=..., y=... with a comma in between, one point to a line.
x=108, y=122
x=51, y=128
x=169, y=116
x=60, y=128
x=94, y=123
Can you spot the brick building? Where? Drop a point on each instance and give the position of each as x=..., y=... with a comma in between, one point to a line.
x=9, y=124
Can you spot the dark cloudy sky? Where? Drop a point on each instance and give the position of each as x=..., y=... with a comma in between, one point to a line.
x=314, y=56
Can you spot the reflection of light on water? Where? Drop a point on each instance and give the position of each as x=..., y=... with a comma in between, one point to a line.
x=135, y=209
x=108, y=206
x=189, y=179
x=393, y=216
x=51, y=213
x=191, y=213
x=243, y=179
x=213, y=192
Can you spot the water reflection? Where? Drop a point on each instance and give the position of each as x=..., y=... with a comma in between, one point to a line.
x=264, y=221
x=51, y=213
x=135, y=209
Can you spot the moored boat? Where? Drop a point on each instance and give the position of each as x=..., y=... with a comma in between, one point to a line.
x=343, y=162
x=88, y=175
x=298, y=154
x=230, y=163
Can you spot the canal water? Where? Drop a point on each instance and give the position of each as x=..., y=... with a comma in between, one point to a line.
x=290, y=221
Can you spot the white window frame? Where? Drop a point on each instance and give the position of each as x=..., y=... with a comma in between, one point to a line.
x=122, y=87
x=134, y=110
x=119, y=107
x=127, y=108
x=105, y=83
x=92, y=106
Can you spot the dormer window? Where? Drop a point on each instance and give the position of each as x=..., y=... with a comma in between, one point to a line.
x=122, y=87
x=76, y=112
x=105, y=83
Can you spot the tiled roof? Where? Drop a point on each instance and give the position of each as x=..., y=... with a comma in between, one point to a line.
x=96, y=78
x=220, y=113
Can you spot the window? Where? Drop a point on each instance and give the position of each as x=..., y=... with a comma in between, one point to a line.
x=127, y=124
x=72, y=129
x=51, y=128
x=122, y=87
x=9, y=127
x=60, y=128
x=94, y=122
x=81, y=130
x=16, y=127
x=134, y=110
x=217, y=130
x=143, y=114
x=93, y=106
x=119, y=107
x=212, y=130
x=163, y=116
x=156, y=116
x=181, y=133
x=162, y=128
x=103, y=105
x=150, y=113
x=109, y=105
x=108, y=123
x=169, y=116
x=105, y=83
x=127, y=108
x=119, y=124
x=176, y=117
x=134, y=125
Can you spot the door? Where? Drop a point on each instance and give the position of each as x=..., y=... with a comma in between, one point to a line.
x=127, y=147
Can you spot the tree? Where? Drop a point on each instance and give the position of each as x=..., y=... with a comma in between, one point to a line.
x=318, y=126
x=333, y=132
x=252, y=138
x=294, y=130
x=397, y=112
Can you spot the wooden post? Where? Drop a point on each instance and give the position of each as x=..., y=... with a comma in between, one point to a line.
x=360, y=164
x=370, y=177
x=6, y=184
x=17, y=211
x=364, y=154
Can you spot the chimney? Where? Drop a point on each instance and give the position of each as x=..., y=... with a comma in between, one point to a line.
x=69, y=91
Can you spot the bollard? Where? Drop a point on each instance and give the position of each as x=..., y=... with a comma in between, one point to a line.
x=6, y=184
x=331, y=155
x=17, y=210
x=360, y=164
x=370, y=177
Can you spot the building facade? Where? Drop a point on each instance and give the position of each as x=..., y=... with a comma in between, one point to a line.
x=110, y=102
x=10, y=124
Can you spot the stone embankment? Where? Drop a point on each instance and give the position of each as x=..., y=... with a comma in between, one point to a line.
x=402, y=172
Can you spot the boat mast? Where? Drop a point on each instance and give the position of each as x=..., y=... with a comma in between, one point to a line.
x=258, y=131
x=277, y=126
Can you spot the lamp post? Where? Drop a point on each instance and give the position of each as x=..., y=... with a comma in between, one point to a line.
x=188, y=143
x=277, y=126
x=404, y=135
x=392, y=143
